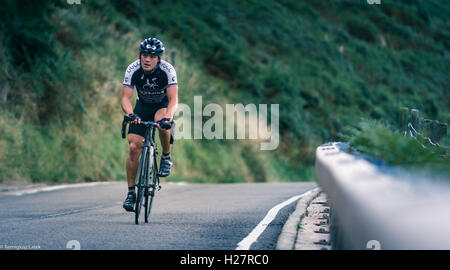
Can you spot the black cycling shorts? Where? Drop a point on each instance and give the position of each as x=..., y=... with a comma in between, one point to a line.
x=146, y=111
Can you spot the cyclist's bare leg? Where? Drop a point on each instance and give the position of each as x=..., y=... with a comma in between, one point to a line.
x=164, y=134
x=135, y=142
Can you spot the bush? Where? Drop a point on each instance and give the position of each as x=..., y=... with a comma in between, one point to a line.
x=361, y=28
x=378, y=140
x=30, y=34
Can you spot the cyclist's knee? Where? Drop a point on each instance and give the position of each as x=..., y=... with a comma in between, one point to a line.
x=135, y=143
x=135, y=149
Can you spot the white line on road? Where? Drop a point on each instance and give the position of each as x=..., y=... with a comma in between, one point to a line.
x=51, y=188
x=270, y=216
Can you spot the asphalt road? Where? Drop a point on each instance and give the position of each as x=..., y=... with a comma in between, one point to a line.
x=184, y=217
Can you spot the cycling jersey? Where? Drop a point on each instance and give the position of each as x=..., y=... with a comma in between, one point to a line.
x=151, y=86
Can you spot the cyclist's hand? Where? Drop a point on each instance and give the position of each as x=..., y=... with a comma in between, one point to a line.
x=165, y=123
x=134, y=118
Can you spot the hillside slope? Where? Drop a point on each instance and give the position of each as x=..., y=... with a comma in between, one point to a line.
x=326, y=63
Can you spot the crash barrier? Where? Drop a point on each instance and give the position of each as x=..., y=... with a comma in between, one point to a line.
x=379, y=207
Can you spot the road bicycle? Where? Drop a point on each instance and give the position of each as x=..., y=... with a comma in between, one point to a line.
x=148, y=169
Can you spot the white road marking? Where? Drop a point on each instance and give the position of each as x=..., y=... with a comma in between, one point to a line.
x=31, y=190
x=51, y=188
x=246, y=243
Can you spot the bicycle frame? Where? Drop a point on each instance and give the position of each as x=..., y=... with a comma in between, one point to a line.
x=149, y=143
x=148, y=167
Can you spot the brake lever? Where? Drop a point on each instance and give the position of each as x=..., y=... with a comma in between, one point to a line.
x=125, y=121
x=124, y=127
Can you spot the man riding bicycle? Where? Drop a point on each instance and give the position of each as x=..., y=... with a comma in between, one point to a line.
x=156, y=84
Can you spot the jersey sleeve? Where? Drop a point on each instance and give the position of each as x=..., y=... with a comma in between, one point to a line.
x=127, y=81
x=172, y=79
x=171, y=74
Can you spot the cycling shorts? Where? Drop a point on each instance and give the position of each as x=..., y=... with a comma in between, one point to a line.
x=146, y=111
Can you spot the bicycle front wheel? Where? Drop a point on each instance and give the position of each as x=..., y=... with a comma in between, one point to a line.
x=149, y=202
x=142, y=182
x=150, y=191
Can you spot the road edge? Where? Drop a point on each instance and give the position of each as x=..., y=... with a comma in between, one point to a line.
x=288, y=235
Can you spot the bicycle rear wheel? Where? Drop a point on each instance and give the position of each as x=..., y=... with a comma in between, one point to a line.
x=141, y=184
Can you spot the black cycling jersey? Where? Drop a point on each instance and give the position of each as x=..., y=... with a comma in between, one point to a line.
x=151, y=86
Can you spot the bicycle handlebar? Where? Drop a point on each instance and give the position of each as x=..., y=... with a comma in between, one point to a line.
x=127, y=119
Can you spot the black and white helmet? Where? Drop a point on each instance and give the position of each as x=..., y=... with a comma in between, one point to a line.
x=152, y=46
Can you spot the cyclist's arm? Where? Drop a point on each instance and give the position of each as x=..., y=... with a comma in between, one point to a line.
x=128, y=87
x=127, y=93
x=172, y=95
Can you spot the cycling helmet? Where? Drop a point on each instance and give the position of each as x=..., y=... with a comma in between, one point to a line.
x=152, y=46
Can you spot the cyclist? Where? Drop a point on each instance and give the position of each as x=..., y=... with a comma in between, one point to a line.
x=155, y=82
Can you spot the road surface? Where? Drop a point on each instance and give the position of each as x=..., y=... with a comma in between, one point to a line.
x=184, y=217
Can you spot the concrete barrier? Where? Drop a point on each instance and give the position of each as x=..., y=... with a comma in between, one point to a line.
x=374, y=208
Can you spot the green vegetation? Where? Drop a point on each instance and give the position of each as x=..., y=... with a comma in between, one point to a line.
x=384, y=142
x=327, y=63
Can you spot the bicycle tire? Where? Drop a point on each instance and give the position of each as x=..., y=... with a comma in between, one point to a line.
x=142, y=172
x=149, y=202
x=149, y=190
x=151, y=196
